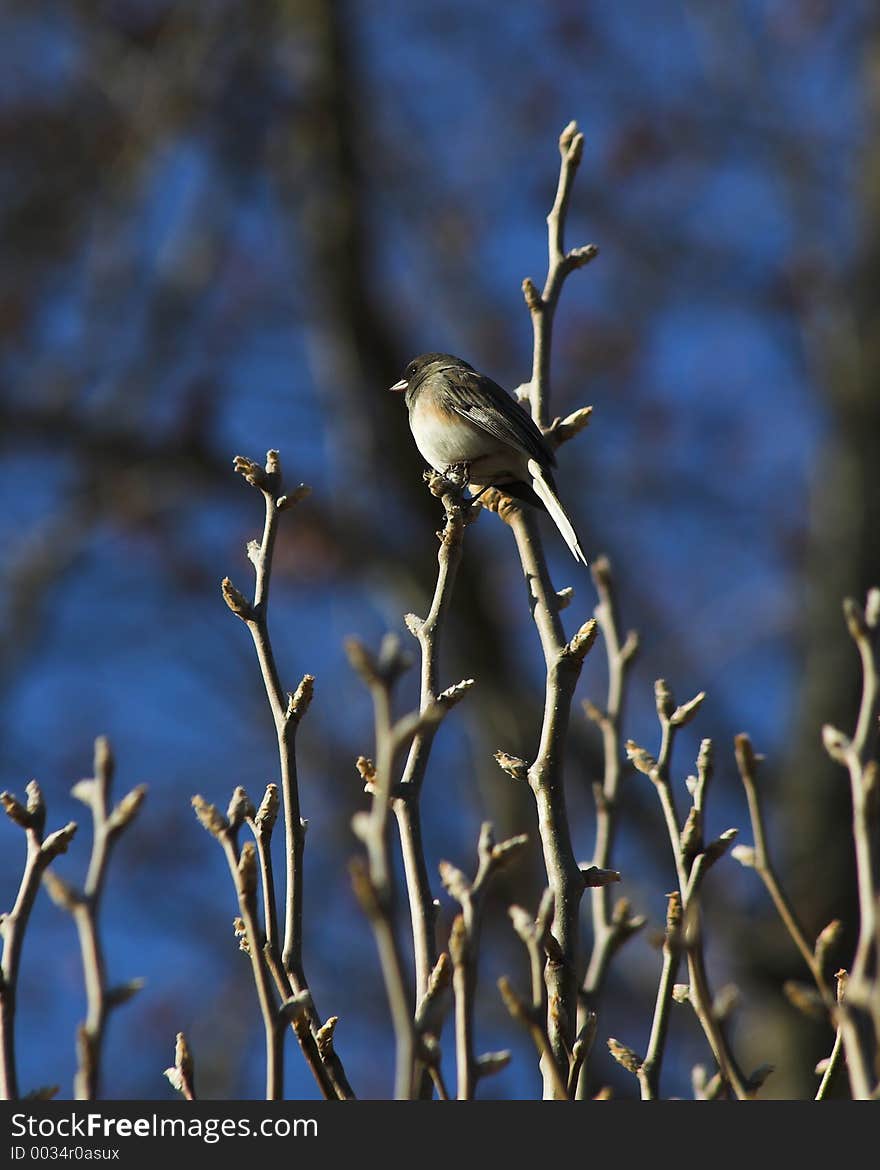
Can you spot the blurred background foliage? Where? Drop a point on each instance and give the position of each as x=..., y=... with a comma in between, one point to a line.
x=225, y=227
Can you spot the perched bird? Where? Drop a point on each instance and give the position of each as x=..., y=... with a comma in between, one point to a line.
x=460, y=417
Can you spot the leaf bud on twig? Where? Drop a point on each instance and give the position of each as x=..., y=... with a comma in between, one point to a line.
x=62, y=893
x=117, y=996
x=289, y=499
x=683, y=714
x=299, y=701
x=58, y=841
x=717, y=848
x=663, y=699
x=872, y=608
x=492, y=1062
x=35, y=806
x=582, y=642
x=247, y=868
x=267, y=814
x=533, y=299
x=210, y=816
x=641, y=760
x=252, y=472
x=454, y=881
x=127, y=809
x=836, y=744
x=514, y=767
x=15, y=810
x=240, y=809
x=236, y=601
x=624, y=1056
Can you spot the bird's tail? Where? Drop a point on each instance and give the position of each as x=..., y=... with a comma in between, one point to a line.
x=550, y=500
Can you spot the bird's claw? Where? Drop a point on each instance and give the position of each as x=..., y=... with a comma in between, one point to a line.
x=458, y=474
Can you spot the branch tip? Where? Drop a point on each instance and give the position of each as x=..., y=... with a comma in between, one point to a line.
x=209, y=816
x=236, y=600
x=516, y=768
x=299, y=701
x=683, y=714
x=582, y=642
x=624, y=1056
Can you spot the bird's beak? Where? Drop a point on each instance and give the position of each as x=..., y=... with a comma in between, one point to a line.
x=400, y=386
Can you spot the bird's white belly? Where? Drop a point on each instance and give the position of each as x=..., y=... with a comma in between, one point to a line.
x=444, y=442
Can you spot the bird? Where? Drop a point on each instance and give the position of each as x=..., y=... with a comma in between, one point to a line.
x=461, y=417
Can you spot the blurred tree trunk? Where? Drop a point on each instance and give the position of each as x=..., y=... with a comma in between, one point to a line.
x=355, y=354
x=843, y=560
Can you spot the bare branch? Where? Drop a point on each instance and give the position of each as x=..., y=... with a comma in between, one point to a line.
x=243, y=865
x=30, y=816
x=542, y=306
x=609, y=932
x=464, y=945
x=649, y=1070
x=107, y=825
x=406, y=806
x=181, y=1075
x=692, y=860
x=373, y=877
x=288, y=709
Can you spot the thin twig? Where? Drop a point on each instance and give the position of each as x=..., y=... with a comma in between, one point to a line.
x=288, y=710
x=429, y=1018
x=649, y=1070
x=372, y=877
x=620, y=655
x=107, y=824
x=544, y=951
x=464, y=943
x=181, y=1075
x=611, y=928
x=759, y=859
x=525, y=1014
x=563, y=659
x=30, y=816
x=560, y=263
x=855, y=754
x=692, y=858
x=832, y=1063
x=243, y=866
x=863, y=626
x=406, y=803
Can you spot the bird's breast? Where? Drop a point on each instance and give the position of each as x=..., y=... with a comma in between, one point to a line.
x=444, y=437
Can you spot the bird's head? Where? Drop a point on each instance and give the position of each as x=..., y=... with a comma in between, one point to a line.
x=424, y=366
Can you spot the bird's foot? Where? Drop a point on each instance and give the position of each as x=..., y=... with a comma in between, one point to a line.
x=454, y=479
x=458, y=474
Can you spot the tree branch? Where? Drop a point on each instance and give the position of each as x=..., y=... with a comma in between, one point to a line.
x=464, y=946
x=31, y=817
x=243, y=870
x=542, y=306
x=563, y=659
x=287, y=712
x=406, y=803
x=372, y=877
x=181, y=1075
x=649, y=1070
x=84, y=906
x=611, y=928
x=692, y=858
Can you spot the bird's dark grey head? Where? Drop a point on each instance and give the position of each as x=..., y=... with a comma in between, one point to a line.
x=426, y=364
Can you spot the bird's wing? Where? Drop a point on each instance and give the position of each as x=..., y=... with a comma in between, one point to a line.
x=483, y=402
